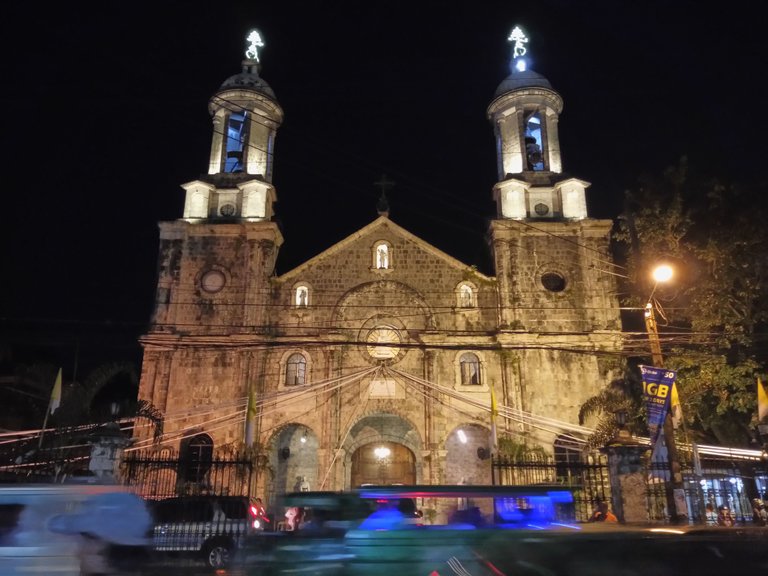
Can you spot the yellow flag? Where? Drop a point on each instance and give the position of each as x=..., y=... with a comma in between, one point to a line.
x=55, y=401
x=762, y=401
x=677, y=409
x=494, y=411
x=250, y=418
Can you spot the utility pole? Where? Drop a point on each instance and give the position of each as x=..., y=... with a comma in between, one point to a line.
x=668, y=429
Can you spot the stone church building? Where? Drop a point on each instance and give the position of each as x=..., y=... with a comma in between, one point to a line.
x=377, y=360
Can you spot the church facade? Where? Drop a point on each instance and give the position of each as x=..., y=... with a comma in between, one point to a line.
x=382, y=359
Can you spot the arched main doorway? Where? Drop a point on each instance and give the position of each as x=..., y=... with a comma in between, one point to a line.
x=383, y=463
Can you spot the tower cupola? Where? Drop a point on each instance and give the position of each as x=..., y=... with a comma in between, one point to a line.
x=525, y=112
x=246, y=116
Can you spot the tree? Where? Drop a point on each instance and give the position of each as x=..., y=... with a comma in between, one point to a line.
x=621, y=395
x=717, y=310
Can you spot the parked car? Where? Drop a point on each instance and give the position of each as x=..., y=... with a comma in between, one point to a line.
x=71, y=529
x=212, y=527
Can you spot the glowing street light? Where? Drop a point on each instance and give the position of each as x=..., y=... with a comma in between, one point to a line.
x=661, y=274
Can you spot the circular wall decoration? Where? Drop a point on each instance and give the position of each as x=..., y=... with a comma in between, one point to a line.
x=541, y=209
x=227, y=210
x=553, y=281
x=382, y=343
x=213, y=281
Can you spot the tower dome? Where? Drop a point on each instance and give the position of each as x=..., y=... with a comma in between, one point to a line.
x=248, y=79
x=522, y=79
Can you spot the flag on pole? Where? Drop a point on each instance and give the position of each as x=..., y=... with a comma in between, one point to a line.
x=494, y=411
x=762, y=401
x=55, y=401
x=677, y=409
x=250, y=418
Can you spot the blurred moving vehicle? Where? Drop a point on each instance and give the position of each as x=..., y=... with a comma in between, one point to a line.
x=491, y=531
x=529, y=531
x=72, y=529
x=209, y=526
x=316, y=545
x=401, y=529
x=456, y=522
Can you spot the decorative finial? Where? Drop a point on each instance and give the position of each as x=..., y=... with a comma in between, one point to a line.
x=382, y=206
x=518, y=48
x=252, y=52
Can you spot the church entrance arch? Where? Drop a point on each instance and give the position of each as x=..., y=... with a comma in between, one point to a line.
x=382, y=448
x=383, y=463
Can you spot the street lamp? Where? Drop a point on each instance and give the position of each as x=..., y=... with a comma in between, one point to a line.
x=663, y=274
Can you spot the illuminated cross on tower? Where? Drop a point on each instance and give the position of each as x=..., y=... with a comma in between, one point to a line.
x=518, y=48
x=252, y=52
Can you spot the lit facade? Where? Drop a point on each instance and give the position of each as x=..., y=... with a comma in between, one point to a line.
x=382, y=341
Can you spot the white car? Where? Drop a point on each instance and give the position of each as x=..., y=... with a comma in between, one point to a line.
x=213, y=527
x=68, y=529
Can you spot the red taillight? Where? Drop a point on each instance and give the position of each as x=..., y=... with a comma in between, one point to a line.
x=254, y=511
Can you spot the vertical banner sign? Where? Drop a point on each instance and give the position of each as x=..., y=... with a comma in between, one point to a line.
x=657, y=391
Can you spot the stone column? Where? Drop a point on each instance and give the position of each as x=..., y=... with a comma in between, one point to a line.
x=106, y=452
x=627, y=476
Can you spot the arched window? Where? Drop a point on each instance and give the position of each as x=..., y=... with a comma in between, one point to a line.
x=470, y=369
x=466, y=296
x=301, y=299
x=196, y=457
x=295, y=370
x=534, y=141
x=237, y=136
x=382, y=256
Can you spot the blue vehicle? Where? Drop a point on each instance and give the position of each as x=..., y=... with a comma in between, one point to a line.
x=407, y=529
x=454, y=525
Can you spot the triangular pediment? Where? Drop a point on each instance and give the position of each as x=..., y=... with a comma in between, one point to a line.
x=381, y=224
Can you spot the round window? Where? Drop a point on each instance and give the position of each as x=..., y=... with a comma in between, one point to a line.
x=213, y=281
x=227, y=210
x=382, y=342
x=541, y=209
x=553, y=282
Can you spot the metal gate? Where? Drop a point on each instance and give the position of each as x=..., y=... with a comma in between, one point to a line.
x=587, y=481
x=157, y=474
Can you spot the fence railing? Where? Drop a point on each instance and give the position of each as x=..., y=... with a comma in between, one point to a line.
x=588, y=481
x=157, y=474
x=719, y=482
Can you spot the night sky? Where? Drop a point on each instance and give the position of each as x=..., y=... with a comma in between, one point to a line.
x=105, y=116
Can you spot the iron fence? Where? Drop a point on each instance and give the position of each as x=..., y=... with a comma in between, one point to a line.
x=588, y=480
x=158, y=474
x=719, y=482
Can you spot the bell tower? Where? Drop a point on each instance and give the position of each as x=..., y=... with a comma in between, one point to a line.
x=216, y=260
x=246, y=117
x=545, y=246
x=525, y=113
x=215, y=263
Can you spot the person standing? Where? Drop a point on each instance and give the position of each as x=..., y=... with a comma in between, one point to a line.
x=603, y=514
x=759, y=514
x=710, y=515
x=724, y=517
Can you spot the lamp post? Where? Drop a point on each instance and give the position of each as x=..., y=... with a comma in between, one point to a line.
x=664, y=274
